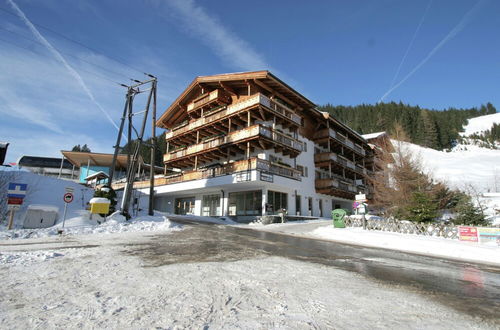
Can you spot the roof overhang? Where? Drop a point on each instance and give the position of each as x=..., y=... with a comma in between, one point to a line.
x=78, y=159
x=176, y=112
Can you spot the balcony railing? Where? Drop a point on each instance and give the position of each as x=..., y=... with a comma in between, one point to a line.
x=202, y=100
x=246, y=133
x=227, y=169
x=234, y=108
x=330, y=133
x=333, y=183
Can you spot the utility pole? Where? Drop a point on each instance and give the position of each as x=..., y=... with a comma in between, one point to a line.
x=153, y=154
x=133, y=152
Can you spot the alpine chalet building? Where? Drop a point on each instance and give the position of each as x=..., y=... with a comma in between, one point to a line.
x=247, y=144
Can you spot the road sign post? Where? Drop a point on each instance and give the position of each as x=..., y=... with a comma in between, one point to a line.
x=68, y=198
x=15, y=197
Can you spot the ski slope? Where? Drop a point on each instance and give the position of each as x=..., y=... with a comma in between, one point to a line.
x=480, y=124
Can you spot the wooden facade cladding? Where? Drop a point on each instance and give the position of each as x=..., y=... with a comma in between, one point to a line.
x=224, y=112
x=259, y=132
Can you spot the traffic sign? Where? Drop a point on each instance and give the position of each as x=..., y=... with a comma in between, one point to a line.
x=68, y=197
x=360, y=198
x=17, y=190
x=14, y=201
x=13, y=207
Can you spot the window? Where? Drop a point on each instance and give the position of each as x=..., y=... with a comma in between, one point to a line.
x=245, y=203
x=277, y=200
x=211, y=206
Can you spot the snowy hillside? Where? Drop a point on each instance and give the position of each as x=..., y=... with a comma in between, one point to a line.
x=462, y=166
x=480, y=124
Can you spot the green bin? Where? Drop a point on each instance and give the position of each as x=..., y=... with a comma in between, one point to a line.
x=338, y=218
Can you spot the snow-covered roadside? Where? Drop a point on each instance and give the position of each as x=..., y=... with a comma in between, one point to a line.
x=83, y=225
x=111, y=286
x=431, y=246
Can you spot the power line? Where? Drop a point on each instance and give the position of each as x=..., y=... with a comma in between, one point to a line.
x=122, y=62
x=68, y=54
x=42, y=54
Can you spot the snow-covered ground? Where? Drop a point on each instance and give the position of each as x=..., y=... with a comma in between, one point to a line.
x=476, y=166
x=101, y=281
x=480, y=124
x=84, y=225
x=425, y=245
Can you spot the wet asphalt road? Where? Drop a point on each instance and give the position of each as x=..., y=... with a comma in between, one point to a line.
x=468, y=288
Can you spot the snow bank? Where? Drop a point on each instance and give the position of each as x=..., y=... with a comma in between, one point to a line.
x=196, y=218
x=426, y=245
x=83, y=224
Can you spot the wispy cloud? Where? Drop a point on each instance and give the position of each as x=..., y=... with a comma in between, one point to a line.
x=457, y=29
x=227, y=45
x=58, y=56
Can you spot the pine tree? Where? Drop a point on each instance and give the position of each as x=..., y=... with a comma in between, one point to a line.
x=468, y=213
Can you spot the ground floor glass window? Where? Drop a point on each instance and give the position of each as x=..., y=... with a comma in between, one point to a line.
x=245, y=203
x=277, y=200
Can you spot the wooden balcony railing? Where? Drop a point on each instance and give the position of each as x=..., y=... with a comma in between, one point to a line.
x=227, y=169
x=330, y=133
x=229, y=110
x=333, y=183
x=202, y=100
x=246, y=133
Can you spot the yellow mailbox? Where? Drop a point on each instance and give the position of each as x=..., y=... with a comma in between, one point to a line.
x=99, y=205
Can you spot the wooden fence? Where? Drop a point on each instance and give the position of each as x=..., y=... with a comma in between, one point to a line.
x=405, y=227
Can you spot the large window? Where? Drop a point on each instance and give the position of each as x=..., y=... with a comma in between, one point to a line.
x=277, y=200
x=211, y=206
x=245, y=203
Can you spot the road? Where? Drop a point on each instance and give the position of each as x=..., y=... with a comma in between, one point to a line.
x=472, y=289
x=224, y=277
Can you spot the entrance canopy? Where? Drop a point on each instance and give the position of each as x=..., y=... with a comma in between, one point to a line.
x=78, y=159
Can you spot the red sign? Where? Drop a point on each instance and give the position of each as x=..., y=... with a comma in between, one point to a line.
x=68, y=197
x=15, y=201
x=468, y=234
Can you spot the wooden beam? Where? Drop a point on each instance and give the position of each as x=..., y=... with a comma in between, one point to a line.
x=272, y=91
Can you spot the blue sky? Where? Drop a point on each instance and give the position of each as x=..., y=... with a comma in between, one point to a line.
x=339, y=52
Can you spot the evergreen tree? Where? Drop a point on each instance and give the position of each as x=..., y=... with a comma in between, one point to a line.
x=468, y=213
x=422, y=207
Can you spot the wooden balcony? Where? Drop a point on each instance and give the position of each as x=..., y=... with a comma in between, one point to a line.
x=208, y=100
x=243, y=135
x=323, y=160
x=213, y=115
x=335, y=187
x=323, y=135
x=226, y=169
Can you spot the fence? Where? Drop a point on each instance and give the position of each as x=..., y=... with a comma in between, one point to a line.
x=405, y=227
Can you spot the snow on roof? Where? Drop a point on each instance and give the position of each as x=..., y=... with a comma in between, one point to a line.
x=480, y=124
x=372, y=135
x=99, y=200
x=99, y=175
x=40, y=207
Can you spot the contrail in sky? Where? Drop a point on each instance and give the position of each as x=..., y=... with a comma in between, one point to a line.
x=54, y=52
x=459, y=27
x=411, y=43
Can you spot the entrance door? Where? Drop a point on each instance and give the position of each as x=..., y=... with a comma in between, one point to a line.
x=310, y=206
x=184, y=205
x=297, y=205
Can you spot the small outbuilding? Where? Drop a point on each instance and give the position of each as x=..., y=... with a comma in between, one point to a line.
x=40, y=216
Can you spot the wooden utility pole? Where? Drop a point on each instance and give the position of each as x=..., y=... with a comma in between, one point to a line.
x=153, y=153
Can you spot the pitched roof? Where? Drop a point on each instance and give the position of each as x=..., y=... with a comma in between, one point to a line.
x=176, y=111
